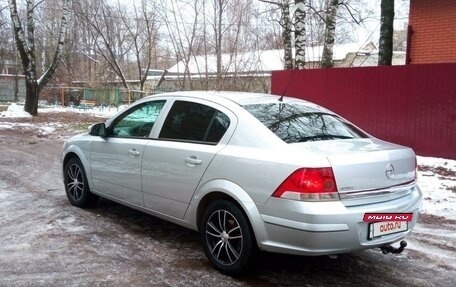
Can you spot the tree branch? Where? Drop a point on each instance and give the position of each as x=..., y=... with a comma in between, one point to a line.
x=271, y=2
x=351, y=14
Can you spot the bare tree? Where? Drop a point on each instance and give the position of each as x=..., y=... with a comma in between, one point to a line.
x=183, y=33
x=287, y=29
x=212, y=43
x=113, y=44
x=4, y=37
x=143, y=31
x=83, y=60
x=229, y=22
x=331, y=13
x=300, y=34
x=232, y=39
x=25, y=41
x=47, y=18
x=385, y=49
x=220, y=6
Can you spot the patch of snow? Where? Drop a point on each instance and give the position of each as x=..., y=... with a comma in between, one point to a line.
x=95, y=111
x=6, y=126
x=439, y=195
x=436, y=243
x=45, y=130
x=435, y=161
x=15, y=111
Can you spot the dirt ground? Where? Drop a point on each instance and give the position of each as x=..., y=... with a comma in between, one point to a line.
x=47, y=242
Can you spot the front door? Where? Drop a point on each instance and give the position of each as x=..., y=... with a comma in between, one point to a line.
x=116, y=160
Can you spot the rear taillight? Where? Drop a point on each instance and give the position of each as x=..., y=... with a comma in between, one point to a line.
x=309, y=184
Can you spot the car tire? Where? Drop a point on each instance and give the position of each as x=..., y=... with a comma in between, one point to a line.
x=76, y=184
x=227, y=237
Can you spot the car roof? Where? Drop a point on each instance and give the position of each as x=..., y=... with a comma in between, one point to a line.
x=240, y=98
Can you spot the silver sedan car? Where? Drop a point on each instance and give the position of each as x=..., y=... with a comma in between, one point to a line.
x=249, y=172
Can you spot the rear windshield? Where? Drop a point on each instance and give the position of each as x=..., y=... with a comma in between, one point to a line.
x=295, y=122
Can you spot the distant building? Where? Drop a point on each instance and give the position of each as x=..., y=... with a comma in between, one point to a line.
x=9, y=82
x=431, y=32
x=7, y=67
x=251, y=71
x=260, y=62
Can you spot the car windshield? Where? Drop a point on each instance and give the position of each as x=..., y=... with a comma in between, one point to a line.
x=296, y=122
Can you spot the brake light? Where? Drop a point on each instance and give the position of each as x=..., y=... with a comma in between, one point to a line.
x=309, y=184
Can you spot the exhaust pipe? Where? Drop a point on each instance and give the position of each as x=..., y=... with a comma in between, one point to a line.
x=390, y=249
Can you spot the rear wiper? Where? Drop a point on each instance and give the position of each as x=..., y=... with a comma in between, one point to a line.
x=323, y=137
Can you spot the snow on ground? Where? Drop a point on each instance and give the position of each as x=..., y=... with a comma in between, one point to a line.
x=15, y=111
x=437, y=180
x=96, y=111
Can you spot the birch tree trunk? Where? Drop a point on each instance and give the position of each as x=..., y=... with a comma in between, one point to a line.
x=300, y=34
x=25, y=42
x=331, y=13
x=385, y=49
x=286, y=35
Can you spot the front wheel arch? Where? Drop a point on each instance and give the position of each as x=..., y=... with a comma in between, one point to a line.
x=76, y=183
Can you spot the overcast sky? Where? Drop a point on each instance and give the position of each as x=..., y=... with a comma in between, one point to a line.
x=370, y=29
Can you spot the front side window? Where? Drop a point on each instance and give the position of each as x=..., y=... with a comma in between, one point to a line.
x=188, y=121
x=294, y=122
x=138, y=121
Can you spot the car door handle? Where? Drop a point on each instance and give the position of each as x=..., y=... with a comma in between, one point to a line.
x=133, y=153
x=192, y=161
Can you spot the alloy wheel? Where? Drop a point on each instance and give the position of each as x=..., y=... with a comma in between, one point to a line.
x=224, y=237
x=75, y=182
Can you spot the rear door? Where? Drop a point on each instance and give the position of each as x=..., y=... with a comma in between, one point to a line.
x=173, y=164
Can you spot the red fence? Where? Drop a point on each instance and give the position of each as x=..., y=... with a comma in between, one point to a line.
x=413, y=105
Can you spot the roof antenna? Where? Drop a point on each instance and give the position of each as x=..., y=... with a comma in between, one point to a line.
x=288, y=84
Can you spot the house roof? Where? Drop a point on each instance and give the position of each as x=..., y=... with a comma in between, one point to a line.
x=262, y=61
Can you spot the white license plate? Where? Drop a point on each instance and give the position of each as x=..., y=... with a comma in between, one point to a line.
x=378, y=229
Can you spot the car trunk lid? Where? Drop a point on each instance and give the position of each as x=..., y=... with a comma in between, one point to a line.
x=368, y=170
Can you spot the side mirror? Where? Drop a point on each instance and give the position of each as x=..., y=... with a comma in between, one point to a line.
x=98, y=130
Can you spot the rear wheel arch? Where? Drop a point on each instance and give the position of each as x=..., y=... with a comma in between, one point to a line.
x=208, y=199
x=220, y=189
x=218, y=196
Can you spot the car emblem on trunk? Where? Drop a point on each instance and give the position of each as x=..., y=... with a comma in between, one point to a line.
x=389, y=171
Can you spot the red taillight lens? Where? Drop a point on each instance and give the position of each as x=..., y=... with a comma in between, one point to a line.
x=309, y=184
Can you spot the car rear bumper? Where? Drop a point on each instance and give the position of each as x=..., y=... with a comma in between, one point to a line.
x=319, y=228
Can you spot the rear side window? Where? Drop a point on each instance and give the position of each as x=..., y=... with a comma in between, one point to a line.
x=188, y=121
x=294, y=122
